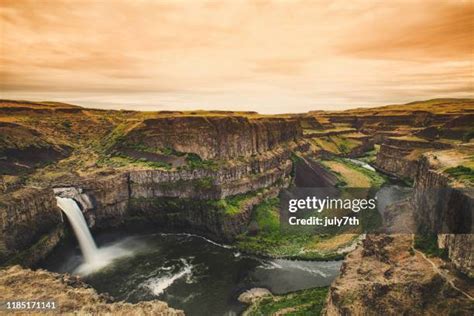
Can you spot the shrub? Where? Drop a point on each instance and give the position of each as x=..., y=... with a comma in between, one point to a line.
x=428, y=243
x=461, y=173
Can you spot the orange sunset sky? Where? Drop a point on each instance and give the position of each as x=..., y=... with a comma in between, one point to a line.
x=267, y=56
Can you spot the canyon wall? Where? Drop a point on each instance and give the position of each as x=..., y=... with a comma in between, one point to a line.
x=447, y=210
x=311, y=174
x=395, y=161
x=214, y=137
x=399, y=157
x=22, y=149
x=214, y=202
x=460, y=249
x=30, y=226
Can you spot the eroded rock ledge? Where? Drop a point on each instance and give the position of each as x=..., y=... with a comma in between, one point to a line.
x=30, y=222
x=215, y=136
x=70, y=295
x=384, y=276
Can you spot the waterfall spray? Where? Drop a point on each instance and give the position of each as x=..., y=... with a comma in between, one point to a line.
x=94, y=258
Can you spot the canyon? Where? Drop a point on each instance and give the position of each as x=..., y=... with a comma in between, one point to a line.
x=208, y=172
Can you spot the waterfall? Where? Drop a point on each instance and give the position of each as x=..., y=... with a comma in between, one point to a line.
x=94, y=258
x=79, y=225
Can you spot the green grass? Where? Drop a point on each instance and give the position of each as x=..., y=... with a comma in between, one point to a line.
x=123, y=161
x=114, y=138
x=461, y=173
x=171, y=152
x=336, y=144
x=294, y=159
x=195, y=162
x=232, y=205
x=428, y=243
x=376, y=179
x=467, y=136
x=266, y=215
x=229, y=206
x=300, y=303
x=370, y=156
x=271, y=241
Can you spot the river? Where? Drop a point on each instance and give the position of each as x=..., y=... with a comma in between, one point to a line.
x=189, y=272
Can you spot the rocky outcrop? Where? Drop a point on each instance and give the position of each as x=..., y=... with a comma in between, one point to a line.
x=252, y=295
x=411, y=144
x=31, y=218
x=22, y=149
x=161, y=197
x=383, y=276
x=429, y=133
x=111, y=194
x=441, y=208
x=399, y=157
x=396, y=161
x=329, y=133
x=70, y=295
x=241, y=177
x=214, y=137
x=460, y=249
x=310, y=174
x=309, y=122
x=220, y=220
x=458, y=128
x=366, y=144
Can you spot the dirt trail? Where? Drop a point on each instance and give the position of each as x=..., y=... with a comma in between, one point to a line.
x=442, y=273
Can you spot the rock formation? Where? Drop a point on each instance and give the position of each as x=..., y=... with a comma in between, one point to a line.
x=384, y=276
x=213, y=137
x=70, y=295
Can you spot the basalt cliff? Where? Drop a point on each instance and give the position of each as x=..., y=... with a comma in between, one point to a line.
x=172, y=169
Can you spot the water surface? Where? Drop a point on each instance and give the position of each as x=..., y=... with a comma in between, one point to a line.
x=190, y=272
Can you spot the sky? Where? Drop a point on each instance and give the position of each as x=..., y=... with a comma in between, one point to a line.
x=265, y=56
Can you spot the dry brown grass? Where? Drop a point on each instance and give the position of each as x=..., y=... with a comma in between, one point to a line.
x=333, y=243
x=352, y=177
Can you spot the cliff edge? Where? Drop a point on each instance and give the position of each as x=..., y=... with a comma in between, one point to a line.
x=70, y=294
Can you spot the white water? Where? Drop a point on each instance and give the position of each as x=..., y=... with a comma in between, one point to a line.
x=323, y=269
x=79, y=225
x=199, y=236
x=158, y=285
x=362, y=164
x=94, y=258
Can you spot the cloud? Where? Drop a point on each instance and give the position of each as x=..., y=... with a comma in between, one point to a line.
x=418, y=30
x=281, y=66
x=267, y=55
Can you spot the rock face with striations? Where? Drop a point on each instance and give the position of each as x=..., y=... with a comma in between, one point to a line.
x=150, y=194
x=439, y=207
x=399, y=157
x=460, y=249
x=214, y=137
x=30, y=218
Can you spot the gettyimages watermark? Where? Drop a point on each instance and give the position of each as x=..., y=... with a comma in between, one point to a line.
x=390, y=209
